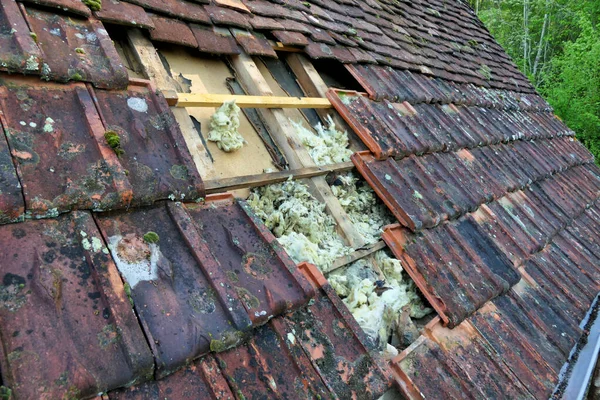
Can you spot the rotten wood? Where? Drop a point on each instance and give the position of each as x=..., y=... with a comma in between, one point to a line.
x=250, y=181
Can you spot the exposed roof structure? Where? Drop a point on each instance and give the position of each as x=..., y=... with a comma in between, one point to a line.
x=121, y=277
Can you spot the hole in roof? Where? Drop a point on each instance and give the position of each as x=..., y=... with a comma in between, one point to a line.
x=336, y=75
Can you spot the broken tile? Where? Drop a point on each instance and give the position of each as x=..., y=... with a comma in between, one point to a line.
x=77, y=50
x=66, y=325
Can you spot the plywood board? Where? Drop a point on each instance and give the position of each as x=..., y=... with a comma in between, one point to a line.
x=208, y=75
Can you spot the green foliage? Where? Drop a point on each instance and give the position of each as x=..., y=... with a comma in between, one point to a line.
x=151, y=237
x=114, y=141
x=572, y=86
x=556, y=44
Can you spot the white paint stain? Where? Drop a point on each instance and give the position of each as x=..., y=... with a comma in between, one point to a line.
x=137, y=104
x=136, y=260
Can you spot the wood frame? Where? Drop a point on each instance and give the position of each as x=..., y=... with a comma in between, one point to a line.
x=216, y=100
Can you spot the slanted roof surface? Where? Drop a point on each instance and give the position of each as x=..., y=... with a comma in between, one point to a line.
x=496, y=205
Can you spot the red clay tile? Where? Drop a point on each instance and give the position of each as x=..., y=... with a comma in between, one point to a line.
x=66, y=325
x=201, y=380
x=229, y=17
x=171, y=30
x=12, y=205
x=254, y=44
x=122, y=13
x=19, y=51
x=73, y=6
x=291, y=38
x=475, y=269
x=184, y=310
x=265, y=24
x=77, y=50
x=184, y=10
x=155, y=155
x=215, y=40
x=51, y=129
x=203, y=288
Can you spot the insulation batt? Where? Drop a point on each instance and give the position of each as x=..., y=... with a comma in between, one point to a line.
x=367, y=213
x=326, y=145
x=224, y=125
x=376, y=311
x=299, y=222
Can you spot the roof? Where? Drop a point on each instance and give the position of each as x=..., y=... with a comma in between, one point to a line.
x=121, y=277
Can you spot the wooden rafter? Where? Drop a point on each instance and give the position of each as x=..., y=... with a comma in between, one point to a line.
x=215, y=100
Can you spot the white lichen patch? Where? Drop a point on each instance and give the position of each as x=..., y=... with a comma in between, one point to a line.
x=137, y=104
x=49, y=125
x=368, y=214
x=326, y=145
x=136, y=259
x=224, y=127
x=377, y=303
x=32, y=64
x=299, y=222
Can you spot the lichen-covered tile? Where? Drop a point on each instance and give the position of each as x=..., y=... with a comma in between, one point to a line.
x=12, y=204
x=71, y=6
x=149, y=144
x=215, y=40
x=66, y=325
x=200, y=276
x=19, y=51
x=51, y=128
x=76, y=50
x=183, y=299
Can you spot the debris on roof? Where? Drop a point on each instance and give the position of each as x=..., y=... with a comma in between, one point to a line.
x=224, y=127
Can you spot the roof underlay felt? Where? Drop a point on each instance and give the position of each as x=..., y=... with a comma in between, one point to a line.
x=120, y=278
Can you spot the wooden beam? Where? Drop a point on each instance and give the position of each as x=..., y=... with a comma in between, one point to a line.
x=215, y=100
x=154, y=70
x=286, y=137
x=250, y=181
x=355, y=256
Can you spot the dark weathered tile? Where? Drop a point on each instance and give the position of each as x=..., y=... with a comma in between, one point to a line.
x=122, y=13
x=67, y=327
x=51, y=129
x=170, y=30
x=253, y=44
x=76, y=50
x=215, y=40
x=152, y=148
x=213, y=272
x=19, y=51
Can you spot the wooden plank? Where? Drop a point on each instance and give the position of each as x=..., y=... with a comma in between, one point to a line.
x=250, y=181
x=154, y=70
x=288, y=141
x=216, y=100
x=278, y=46
x=355, y=256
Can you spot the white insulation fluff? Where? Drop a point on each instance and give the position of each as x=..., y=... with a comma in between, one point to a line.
x=224, y=126
x=299, y=222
